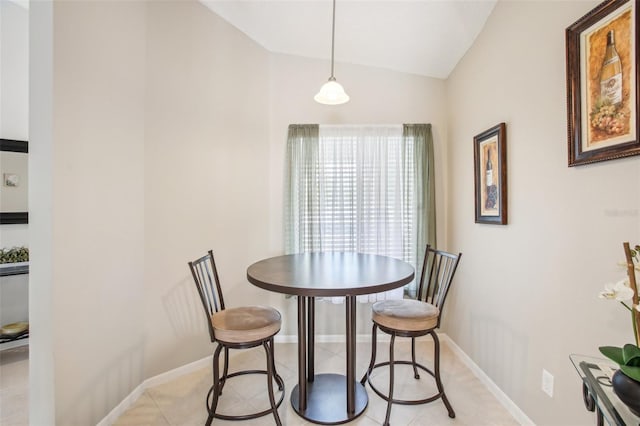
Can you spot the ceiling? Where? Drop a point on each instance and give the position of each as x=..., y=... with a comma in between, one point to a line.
x=424, y=37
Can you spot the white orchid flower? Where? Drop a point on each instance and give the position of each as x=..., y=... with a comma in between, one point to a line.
x=608, y=292
x=619, y=291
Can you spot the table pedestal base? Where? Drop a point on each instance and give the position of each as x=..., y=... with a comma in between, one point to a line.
x=326, y=401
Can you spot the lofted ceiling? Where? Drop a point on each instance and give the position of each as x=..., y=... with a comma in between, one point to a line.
x=425, y=37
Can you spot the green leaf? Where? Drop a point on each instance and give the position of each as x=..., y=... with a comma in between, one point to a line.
x=632, y=372
x=613, y=353
x=631, y=355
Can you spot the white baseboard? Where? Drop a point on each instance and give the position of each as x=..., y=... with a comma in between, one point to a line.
x=506, y=402
x=128, y=401
x=166, y=377
x=124, y=405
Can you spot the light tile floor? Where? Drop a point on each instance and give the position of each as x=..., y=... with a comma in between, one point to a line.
x=181, y=401
x=14, y=386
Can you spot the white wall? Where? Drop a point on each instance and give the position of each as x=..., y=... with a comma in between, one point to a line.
x=526, y=294
x=377, y=97
x=14, y=74
x=41, y=359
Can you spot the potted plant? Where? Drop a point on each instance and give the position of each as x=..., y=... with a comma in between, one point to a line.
x=626, y=381
x=14, y=255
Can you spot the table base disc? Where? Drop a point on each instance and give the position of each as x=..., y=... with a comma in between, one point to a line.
x=327, y=400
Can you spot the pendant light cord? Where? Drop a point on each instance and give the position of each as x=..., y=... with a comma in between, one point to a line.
x=332, y=92
x=333, y=37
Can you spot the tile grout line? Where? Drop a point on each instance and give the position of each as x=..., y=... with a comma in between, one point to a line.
x=160, y=410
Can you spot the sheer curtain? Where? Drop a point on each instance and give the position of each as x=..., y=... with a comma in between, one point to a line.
x=366, y=189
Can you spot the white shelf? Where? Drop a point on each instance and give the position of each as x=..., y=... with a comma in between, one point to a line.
x=14, y=344
x=14, y=268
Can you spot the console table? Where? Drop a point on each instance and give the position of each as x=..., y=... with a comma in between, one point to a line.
x=597, y=391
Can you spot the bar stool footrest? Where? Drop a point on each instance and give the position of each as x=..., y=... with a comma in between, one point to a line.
x=409, y=401
x=223, y=380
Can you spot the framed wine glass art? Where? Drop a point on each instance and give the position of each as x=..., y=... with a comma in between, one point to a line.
x=602, y=83
x=490, y=175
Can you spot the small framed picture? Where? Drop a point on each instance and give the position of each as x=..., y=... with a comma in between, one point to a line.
x=11, y=179
x=490, y=175
x=602, y=83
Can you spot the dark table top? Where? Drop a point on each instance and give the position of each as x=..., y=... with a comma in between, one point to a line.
x=323, y=274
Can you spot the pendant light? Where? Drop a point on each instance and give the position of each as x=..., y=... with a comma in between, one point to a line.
x=332, y=92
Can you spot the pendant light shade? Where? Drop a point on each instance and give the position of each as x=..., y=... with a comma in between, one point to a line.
x=332, y=92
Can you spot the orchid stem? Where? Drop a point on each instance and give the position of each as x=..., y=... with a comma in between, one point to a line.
x=635, y=315
x=635, y=326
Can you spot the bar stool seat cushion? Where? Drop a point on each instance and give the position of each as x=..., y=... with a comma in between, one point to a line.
x=405, y=315
x=246, y=324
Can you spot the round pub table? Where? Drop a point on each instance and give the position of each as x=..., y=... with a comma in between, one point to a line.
x=328, y=398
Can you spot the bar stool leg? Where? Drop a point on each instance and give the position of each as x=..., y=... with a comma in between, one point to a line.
x=391, y=374
x=436, y=369
x=225, y=369
x=269, y=352
x=374, y=346
x=216, y=379
x=276, y=376
x=413, y=358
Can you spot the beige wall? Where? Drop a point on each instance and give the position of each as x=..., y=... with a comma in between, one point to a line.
x=98, y=206
x=138, y=142
x=526, y=293
x=206, y=178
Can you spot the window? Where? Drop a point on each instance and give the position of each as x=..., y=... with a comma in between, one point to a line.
x=360, y=188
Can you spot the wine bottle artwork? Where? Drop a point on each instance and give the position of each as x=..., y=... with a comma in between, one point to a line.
x=490, y=188
x=490, y=175
x=607, y=115
x=602, y=84
x=611, y=73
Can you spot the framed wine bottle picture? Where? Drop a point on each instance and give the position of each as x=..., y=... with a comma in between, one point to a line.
x=490, y=175
x=602, y=83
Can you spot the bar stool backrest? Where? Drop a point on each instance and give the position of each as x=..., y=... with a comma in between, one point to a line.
x=438, y=270
x=205, y=277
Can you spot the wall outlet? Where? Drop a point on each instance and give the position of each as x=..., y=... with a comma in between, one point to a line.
x=547, y=383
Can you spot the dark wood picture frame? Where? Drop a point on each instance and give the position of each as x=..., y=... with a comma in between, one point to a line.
x=603, y=125
x=14, y=218
x=490, y=175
